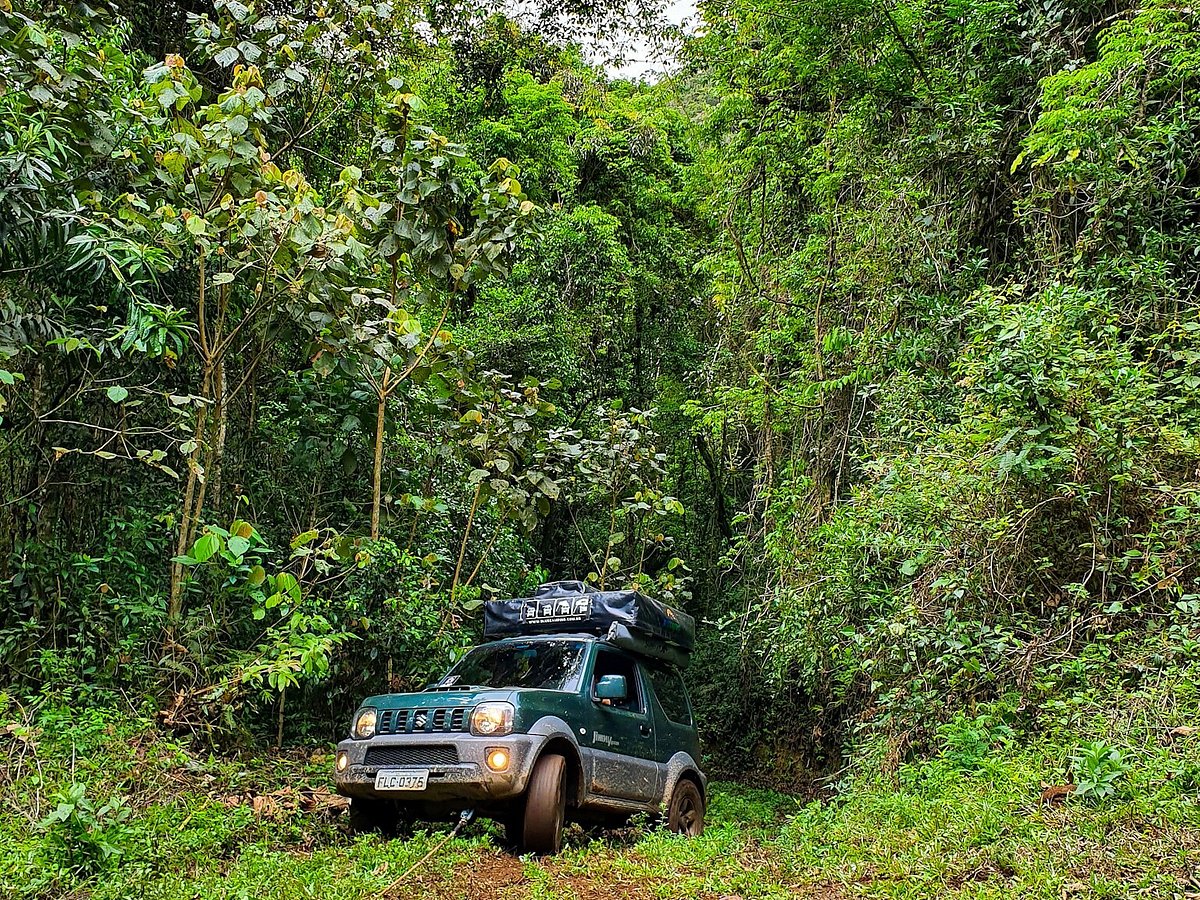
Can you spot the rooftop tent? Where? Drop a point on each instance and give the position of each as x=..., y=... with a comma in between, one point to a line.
x=574, y=606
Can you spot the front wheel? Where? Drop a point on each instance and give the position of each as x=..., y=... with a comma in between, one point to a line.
x=685, y=815
x=545, y=805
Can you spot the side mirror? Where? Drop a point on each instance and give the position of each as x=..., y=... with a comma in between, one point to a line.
x=612, y=687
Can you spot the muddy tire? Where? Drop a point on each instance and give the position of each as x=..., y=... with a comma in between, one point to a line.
x=545, y=806
x=368, y=815
x=685, y=814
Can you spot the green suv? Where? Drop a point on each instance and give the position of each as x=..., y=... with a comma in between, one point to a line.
x=532, y=728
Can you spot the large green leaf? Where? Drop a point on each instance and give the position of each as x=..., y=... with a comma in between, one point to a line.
x=205, y=547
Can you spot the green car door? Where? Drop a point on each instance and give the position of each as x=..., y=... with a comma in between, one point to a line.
x=620, y=739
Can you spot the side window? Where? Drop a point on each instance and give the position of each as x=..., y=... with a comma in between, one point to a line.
x=672, y=695
x=609, y=663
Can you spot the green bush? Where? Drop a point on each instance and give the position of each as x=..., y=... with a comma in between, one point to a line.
x=81, y=837
x=1098, y=767
x=967, y=742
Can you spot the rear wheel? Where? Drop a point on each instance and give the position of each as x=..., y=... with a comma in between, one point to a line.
x=685, y=815
x=370, y=815
x=545, y=805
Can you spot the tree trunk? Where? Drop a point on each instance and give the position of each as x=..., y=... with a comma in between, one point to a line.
x=219, y=420
x=279, y=723
x=193, y=498
x=377, y=480
x=462, y=548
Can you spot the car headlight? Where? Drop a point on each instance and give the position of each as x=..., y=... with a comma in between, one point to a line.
x=492, y=719
x=364, y=723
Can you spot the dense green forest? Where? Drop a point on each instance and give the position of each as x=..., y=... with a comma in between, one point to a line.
x=870, y=336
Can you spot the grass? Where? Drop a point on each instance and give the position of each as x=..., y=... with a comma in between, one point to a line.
x=186, y=824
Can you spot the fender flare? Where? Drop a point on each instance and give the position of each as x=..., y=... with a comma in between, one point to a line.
x=678, y=766
x=553, y=728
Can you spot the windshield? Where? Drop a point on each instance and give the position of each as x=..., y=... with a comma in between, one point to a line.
x=548, y=665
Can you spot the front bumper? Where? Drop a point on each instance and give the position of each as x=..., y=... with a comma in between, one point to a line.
x=468, y=779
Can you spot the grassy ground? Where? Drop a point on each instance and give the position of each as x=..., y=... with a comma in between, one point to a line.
x=186, y=825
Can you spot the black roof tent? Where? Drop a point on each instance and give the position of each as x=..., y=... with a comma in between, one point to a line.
x=628, y=619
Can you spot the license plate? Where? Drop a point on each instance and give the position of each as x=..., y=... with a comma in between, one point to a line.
x=401, y=779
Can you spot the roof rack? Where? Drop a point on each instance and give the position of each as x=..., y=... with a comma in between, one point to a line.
x=627, y=619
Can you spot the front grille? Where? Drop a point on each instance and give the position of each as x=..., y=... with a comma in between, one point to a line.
x=421, y=721
x=427, y=755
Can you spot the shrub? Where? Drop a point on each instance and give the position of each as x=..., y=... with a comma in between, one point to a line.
x=967, y=741
x=83, y=838
x=1097, y=767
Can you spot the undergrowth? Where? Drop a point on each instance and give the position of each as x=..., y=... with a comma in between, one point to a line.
x=990, y=814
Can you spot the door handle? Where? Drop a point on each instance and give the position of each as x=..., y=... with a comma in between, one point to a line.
x=646, y=729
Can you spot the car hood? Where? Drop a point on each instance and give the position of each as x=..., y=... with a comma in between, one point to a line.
x=441, y=699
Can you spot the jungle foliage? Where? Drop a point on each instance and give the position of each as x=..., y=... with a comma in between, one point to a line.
x=954, y=322
x=870, y=337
